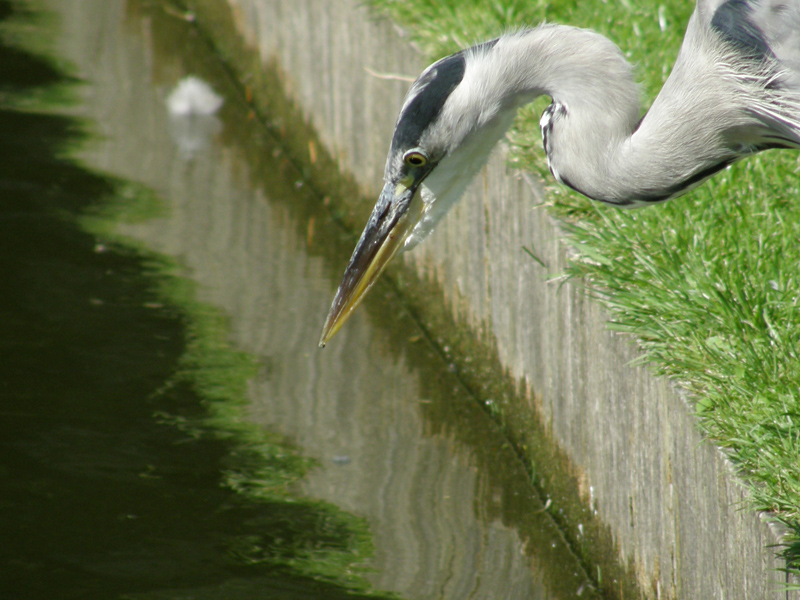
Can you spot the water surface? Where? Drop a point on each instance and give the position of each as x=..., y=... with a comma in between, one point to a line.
x=170, y=429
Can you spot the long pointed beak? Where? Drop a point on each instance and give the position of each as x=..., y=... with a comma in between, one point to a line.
x=398, y=209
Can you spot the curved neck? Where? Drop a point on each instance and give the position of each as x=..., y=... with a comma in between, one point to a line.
x=595, y=140
x=596, y=106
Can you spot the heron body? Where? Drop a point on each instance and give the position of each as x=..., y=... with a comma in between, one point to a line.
x=734, y=91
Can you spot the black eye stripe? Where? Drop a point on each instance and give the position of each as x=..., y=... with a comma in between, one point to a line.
x=428, y=95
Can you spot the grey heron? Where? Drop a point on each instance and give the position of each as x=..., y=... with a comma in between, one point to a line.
x=733, y=91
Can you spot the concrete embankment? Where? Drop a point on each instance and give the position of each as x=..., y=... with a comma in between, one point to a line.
x=648, y=485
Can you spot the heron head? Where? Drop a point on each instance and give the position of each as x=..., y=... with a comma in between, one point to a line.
x=431, y=159
x=418, y=146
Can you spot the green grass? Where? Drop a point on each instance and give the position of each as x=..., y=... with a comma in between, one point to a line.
x=709, y=284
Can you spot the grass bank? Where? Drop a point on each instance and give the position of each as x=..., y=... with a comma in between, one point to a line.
x=708, y=284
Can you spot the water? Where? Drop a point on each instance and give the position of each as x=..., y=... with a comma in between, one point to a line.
x=169, y=428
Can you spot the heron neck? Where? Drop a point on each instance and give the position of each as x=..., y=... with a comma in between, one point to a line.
x=596, y=142
x=590, y=82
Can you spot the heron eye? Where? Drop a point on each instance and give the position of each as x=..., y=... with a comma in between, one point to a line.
x=415, y=158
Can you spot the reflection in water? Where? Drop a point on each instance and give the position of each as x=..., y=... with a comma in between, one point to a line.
x=192, y=122
x=99, y=498
x=165, y=438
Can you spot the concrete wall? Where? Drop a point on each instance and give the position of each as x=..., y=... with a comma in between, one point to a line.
x=669, y=499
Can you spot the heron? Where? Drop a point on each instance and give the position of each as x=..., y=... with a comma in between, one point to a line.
x=734, y=90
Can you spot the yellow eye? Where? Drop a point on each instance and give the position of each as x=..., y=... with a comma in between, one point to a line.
x=415, y=158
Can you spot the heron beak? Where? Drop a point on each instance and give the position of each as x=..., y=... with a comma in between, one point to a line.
x=398, y=209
